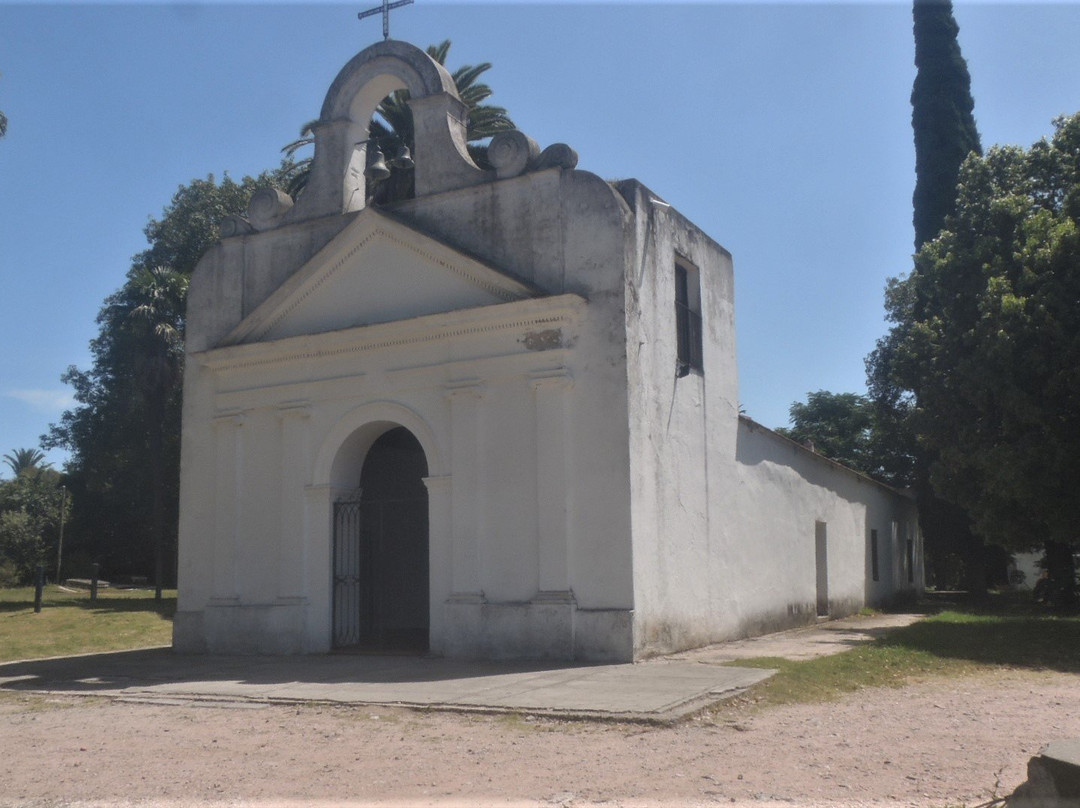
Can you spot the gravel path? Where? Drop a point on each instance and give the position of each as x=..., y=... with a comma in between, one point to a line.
x=932, y=743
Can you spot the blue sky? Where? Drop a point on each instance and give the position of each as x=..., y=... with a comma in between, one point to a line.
x=783, y=130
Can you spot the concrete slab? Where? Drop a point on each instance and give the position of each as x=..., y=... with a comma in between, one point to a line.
x=660, y=690
x=654, y=691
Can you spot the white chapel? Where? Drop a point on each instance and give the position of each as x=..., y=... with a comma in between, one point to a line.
x=496, y=420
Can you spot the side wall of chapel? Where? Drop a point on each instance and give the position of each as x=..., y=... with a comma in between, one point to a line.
x=727, y=514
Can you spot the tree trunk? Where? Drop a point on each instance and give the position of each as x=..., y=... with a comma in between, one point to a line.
x=157, y=481
x=1062, y=569
x=975, y=566
x=946, y=530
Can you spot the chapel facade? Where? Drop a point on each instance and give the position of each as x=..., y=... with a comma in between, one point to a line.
x=499, y=419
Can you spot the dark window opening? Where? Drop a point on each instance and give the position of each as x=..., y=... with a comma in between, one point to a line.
x=874, y=555
x=688, y=320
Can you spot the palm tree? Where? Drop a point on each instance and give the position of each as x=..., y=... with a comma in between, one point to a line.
x=156, y=320
x=297, y=171
x=21, y=461
x=3, y=124
x=392, y=129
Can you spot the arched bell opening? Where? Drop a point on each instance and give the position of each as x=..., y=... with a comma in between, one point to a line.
x=341, y=165
x=381, y=591
x=391, y=144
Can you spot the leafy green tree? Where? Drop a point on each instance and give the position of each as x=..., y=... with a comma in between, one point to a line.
x=21, y=548
x=392, y=129
x=21, y=460
x=987, y=338
x=836, y=424
x=157, y=326
x=124, y=433
x=941, y=115
x=30, y=513
x=845, y=427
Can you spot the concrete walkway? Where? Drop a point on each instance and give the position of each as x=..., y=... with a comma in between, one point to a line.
x=808, y=642
x=660, y=690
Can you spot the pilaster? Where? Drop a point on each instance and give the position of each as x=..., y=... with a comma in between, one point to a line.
x=294, y=420
x=465, y=506
x=550, y=392
x=228, y=503
x=318, y=539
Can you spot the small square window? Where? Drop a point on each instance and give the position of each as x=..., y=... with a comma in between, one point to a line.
x=688, y=319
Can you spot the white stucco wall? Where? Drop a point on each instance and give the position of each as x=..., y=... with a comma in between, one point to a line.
x=725, y=512
x=524, y=402
x=1028, y=564
x=783, y=529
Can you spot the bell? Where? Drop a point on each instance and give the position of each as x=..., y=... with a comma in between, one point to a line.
x=377, y=170
x=403, y=158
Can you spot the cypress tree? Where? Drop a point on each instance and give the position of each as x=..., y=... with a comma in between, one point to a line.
x=941, y=115
x=945, y=134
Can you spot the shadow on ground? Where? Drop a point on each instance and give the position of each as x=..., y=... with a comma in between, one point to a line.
x=1040, y=642
x=103, y=673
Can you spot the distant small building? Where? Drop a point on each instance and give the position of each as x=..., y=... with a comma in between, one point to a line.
x=499, y=419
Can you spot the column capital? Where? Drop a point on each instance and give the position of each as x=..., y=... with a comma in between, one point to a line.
x=464, y=389
x=294, y=409
x=230, y=417
x=551, y=379
x=439, y=484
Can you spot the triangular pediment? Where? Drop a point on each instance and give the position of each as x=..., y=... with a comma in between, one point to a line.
x=377, y=270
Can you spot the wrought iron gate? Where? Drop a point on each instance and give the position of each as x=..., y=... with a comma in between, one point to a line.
x=354, y=596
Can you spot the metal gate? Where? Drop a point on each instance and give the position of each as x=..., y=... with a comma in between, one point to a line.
x=354, y=596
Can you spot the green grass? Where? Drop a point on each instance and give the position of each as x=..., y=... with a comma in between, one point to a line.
x=70, y=624
x=962, y=640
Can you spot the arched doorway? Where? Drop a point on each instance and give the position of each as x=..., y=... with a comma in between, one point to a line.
x=381, y=593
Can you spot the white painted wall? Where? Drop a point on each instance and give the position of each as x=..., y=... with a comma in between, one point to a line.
x=724, y=510
x=1028, y=563
x=523, y=400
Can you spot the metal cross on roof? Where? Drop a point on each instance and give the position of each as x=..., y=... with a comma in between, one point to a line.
x=385, y=10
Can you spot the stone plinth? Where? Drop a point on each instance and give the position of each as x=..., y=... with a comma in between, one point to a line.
x=1053, y=778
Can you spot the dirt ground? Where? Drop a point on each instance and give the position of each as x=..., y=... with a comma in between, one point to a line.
x=935, y=743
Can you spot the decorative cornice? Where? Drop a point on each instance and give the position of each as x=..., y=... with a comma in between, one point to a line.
x=428, y=328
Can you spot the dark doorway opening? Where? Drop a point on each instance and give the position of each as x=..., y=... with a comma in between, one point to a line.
x=381, y=593
x=821, y=558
